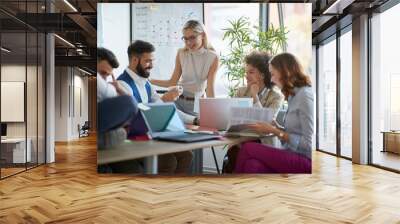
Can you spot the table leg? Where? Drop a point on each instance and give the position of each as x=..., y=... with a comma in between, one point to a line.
x=384, y=143
x=215, y=159
x=151, y=165
x=197, y=167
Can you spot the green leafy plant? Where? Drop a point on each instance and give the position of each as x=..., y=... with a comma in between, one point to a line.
x=242, y=39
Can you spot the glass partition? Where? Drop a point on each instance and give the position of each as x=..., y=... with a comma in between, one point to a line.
x=346, y=94
x=13, y=105
x=22, y=90
x=327, y=96
x=385, y=89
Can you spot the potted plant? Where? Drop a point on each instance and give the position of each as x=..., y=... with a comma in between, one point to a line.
x=242, y=38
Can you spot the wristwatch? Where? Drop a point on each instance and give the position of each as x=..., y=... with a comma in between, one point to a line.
x=196, y=121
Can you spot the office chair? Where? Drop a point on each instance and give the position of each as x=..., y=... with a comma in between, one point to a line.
x=84, y=130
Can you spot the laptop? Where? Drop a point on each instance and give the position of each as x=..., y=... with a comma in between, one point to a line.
x=161, y=121
x=215, y=112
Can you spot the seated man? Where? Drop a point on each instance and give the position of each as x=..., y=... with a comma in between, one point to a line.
x=115, y=109
x=106, y=62
x=140, y=54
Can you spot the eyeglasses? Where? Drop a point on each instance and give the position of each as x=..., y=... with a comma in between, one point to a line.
x=191, y=38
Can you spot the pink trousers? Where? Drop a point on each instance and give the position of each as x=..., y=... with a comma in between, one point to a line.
x=258, y=158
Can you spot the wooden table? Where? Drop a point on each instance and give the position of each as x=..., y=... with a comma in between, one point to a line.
x=149, y=150
x=391, y=141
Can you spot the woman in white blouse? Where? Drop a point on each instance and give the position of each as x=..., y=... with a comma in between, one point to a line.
x=196, y=67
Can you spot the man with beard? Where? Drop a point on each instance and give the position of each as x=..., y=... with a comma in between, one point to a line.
x=140, y=54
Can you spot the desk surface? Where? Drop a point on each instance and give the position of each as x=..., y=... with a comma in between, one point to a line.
x=13, y=140
x=391, y=132
x=139, y=149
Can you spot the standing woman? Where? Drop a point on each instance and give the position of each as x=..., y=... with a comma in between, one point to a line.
x=297, y=130
x=196, y=67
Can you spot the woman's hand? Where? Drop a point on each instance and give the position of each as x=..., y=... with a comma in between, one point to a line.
x=276, y=124
x=254, y=89
x=263, y=128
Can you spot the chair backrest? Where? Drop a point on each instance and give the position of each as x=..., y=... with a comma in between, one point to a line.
x=86, y=125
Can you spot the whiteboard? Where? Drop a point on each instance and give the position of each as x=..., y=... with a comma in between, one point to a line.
x=161, y=25
x=12, y=101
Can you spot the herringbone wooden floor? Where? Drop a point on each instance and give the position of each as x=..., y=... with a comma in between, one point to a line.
x=70, y=191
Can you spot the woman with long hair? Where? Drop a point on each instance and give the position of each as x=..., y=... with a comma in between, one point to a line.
x=264, y=93
x=296, y=131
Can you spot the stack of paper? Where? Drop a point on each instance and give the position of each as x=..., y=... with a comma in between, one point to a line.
x=240, y=117
x=249, y=115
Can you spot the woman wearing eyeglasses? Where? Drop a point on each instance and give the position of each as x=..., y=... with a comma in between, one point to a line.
x=296, y=131
x=196, y=67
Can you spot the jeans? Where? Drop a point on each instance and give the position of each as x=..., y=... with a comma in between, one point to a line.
x=115, y=112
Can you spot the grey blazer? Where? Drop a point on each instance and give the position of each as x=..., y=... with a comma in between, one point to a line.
x=299, y=121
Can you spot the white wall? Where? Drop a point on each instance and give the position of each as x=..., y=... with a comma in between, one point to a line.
x=61, y=103
x=16, y=73
x=113, y=31
x=71, y=94
x=33, y=127
x=12, y=73
x=80, y=111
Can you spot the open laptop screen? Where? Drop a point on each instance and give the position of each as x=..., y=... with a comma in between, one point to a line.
x=159, y=117
x=163, y=117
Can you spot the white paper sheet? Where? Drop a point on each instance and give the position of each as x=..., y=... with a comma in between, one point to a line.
x=249, y=115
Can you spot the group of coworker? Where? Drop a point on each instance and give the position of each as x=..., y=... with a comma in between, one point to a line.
x=270, y=81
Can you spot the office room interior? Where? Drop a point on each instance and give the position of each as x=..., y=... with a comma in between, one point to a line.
x=154, y=24
x=49, y=155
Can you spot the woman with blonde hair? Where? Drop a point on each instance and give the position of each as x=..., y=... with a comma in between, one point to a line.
x=196, y=66
x=296, y=131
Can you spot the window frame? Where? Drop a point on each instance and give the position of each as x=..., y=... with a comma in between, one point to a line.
x=334, y=37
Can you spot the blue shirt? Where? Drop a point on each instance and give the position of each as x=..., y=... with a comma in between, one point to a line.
x=299, y=121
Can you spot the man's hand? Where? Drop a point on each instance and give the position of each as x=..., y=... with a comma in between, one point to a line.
x=170, y=96
x=118, y=87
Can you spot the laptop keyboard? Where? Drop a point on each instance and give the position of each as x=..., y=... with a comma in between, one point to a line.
x=171, y=134
x=185, y=137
